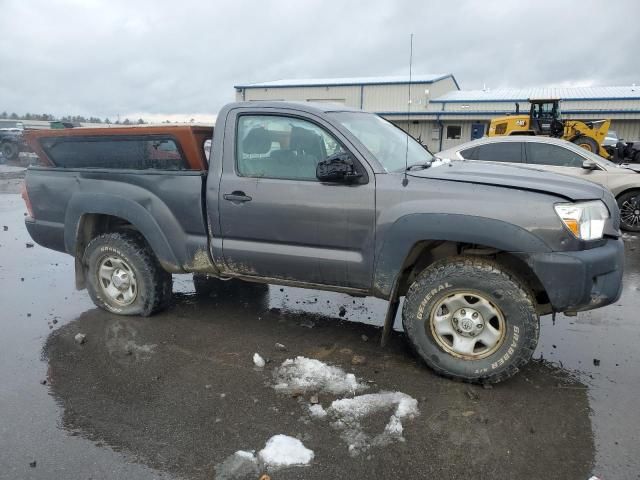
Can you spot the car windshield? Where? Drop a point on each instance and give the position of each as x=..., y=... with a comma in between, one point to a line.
x=386, y=142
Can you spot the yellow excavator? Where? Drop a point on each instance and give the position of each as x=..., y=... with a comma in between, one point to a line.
x=544, y=119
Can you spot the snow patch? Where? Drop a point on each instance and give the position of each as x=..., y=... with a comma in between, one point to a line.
x=302, y=375
x=317, y=411
x=280, y=451
x=350, y=412
x=258, y=361
x=241, y=464
x=245, y=454
x=438, y=162
x=285, y=451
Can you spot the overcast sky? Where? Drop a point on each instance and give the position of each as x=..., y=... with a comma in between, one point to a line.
x=157, y=59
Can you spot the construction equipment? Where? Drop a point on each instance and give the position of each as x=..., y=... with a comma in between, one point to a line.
x=544, y=119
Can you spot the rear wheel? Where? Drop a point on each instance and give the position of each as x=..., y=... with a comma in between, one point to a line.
x=124, y=276
x=587, y=143
x=471, y=320
x=9, y=150
x=629, y=205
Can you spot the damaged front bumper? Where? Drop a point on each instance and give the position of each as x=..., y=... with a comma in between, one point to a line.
x=580, y=280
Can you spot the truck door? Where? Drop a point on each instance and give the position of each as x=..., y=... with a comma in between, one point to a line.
x=276, y=219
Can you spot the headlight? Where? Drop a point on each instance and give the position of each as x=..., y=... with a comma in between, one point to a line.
x=585, y=219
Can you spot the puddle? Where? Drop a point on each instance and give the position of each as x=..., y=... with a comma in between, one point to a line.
x=153, y=404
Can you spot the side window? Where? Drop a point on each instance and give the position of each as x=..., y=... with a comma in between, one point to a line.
x=469, y=153
x=547, y=154
x=281, y=147
x=133, y=153
x=500, y=152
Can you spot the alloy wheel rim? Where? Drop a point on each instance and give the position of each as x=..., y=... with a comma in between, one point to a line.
x=117, y=280
x=630, y=212
x=467, y=325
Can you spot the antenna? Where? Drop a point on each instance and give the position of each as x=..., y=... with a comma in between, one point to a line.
x=405, y=180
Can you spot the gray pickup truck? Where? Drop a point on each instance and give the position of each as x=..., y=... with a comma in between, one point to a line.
x=326, y=197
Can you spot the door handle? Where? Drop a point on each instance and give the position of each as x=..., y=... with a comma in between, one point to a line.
x=237, y=197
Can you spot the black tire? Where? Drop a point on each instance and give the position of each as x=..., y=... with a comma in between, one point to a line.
x=153, y=285
x=629, y=204
x=587, y=143
x=454, y=277
x=10, y=151
x=206, y=285
x=636, y=157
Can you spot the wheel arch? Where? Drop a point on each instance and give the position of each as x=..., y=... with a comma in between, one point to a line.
x=628, y=190
x=90, y=215
x=416, y=241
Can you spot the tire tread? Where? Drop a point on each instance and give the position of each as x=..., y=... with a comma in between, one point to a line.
x=159, y=294
x=443, y=269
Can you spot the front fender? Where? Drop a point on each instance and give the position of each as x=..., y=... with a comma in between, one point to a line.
x=399, y=238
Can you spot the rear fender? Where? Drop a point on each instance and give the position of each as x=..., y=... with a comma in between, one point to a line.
x=134, y=213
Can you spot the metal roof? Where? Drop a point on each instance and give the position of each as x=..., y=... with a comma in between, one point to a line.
x=350, y=81
x=523, y=94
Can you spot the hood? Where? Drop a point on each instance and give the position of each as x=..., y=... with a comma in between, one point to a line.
x=631, y=166
x=513, y=176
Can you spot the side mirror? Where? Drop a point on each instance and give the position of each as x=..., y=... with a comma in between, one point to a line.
x=337, y=168
x=589, y=165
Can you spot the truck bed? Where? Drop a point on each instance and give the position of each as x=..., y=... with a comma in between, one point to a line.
x=152, y=176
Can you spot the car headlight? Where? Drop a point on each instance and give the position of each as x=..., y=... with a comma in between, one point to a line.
x=584, y=219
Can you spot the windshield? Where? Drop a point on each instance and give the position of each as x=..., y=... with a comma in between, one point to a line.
x=386, y=142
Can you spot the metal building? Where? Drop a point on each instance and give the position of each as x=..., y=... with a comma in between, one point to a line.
x=441, y=114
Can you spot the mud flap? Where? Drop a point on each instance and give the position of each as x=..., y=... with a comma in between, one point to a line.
x=392, y=310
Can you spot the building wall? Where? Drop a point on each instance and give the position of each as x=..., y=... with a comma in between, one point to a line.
x=349, y=96
x=627, y=129
x=395, y=98
x=373, y=98
x=429, y=131
x=430, y=118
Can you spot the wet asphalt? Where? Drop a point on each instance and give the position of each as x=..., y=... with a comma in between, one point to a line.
x=172, y=396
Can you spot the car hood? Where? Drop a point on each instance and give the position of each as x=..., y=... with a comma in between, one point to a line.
x=512, y=176
x=631, y=166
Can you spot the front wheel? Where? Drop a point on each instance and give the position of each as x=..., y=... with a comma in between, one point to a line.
x=629, y=205
x=471, y=320
x=124, y=277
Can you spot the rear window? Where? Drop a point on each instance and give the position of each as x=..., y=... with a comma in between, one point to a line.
x=134, y=152
x=495, y=152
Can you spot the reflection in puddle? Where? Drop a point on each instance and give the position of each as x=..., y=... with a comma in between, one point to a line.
x=198, y=398
x=598, y=348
